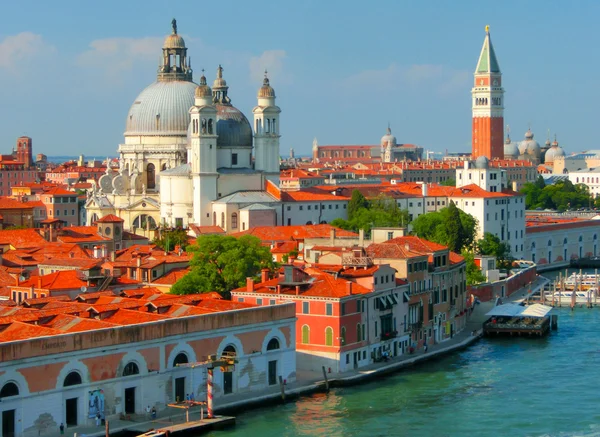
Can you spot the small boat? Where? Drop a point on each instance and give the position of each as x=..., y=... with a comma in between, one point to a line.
x=566, y=296
x=581, y=281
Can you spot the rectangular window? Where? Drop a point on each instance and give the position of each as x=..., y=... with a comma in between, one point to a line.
x=259, y=301
x=72, y=212
x=305, y=307
x=289, y=208
x=375, y=328
x=240, y=299
x=272, y=302
x=343, y=308
x=347, y=358
x=234, y=159
x=301, y=207
x=329, y=309
x=309, y=207
x=358, y=306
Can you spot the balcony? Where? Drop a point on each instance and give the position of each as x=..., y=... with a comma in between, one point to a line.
x=415, y=326
x=349, y=259
x=389, y=335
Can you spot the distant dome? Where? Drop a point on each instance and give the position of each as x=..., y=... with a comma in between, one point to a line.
x=266, y=90
x=554, y=152
x=388, y=138
x=162, y=109
x=233, y=128
x=174, y=41
x=482, y=162
x=529, y=146
x=511, y=150
x=203, y=90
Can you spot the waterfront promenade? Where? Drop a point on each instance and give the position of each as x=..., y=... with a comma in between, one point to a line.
x=311, y=382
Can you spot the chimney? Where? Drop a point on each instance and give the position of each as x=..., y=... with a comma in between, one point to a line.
x=297, y=290
x=264, y=275
x=349, y=287
x=139, y=260
x=332, y=236
x=278, y=289
x=249, y=285
x=288, y=273
x=361, y=237
x=71, y=255
x=103, y=251
x=39, y=282
x=424, y=189
x=514, y=186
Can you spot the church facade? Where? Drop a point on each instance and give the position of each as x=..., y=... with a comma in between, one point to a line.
x=186, y=146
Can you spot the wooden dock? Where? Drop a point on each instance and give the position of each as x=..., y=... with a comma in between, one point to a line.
x=192, y=428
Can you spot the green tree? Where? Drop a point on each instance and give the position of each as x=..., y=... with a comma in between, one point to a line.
x=221, y=263
x=490, y=244
x=473, y=273
x=381, y=211
x=357, y=202
x=449, y=226
x=169, y=238
x=449, y=183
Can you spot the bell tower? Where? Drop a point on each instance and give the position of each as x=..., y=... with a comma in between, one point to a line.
x=266, y=133
x=202, y=155
x=488, y=104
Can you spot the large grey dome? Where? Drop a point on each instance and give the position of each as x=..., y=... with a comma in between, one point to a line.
x=482, y=162
x=233, y=128
x=511, y=150
x=162, y=109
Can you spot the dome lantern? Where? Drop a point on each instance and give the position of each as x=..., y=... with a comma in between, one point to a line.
x=174, y=63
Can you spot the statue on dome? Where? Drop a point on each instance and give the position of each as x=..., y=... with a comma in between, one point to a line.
x=174, y=25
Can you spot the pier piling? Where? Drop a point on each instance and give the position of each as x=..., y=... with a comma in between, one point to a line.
x=326, y=381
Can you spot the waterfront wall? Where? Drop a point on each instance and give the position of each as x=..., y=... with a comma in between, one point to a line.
x=505, y=287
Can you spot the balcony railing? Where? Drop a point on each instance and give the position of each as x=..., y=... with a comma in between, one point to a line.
x=352, y=260
x=389, y=335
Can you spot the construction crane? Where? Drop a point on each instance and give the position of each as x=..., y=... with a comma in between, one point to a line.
x=226, y=363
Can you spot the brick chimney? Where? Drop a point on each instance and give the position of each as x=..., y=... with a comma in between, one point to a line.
x=349, y=287
x=39, y=282
x=249, y=285
x=264, y=275
x=297, y=290
x=332, y=236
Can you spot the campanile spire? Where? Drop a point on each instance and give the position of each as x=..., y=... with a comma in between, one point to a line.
x=488, y=104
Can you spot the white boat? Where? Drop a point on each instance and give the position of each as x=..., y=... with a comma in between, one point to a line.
x=583, y=281
x=565, y=297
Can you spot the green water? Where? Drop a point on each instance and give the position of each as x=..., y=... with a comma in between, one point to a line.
x=499, y=387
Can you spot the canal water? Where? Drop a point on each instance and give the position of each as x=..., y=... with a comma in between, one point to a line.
x=497, y=387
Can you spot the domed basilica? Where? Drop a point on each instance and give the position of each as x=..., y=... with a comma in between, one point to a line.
x=186, y=146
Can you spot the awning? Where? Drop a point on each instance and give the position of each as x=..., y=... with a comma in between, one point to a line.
x=394, y=299
x=514, y=310
x=382, y=302
x=406, y=297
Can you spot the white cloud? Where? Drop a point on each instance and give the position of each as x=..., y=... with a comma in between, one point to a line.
x=272, y=61
x=25, y=46
x=114, y=56
x=437, y=78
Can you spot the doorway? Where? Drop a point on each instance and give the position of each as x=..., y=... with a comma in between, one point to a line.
x=273, y=372
x=227, y=382
x=355, y=359
x=8, y=423
x=180, y=389
x=71, y=412
x=130, y=400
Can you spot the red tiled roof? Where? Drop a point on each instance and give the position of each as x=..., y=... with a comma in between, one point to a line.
x=417, y=244
x=110, y=218
x=21, y=238
x=61, y=280
x=172, y=277
x=20, y=331
x=10, y=203
x=289, y=233
x=206, y=230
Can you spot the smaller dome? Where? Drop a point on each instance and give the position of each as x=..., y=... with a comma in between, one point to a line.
x=219, y=81
x=266, y=90
x=533, y=149
x=174, y=41
x=529, y=135
x=203, y=90
x=511, y=150
x=547, y=143
x=388, y=139
x=482, y=162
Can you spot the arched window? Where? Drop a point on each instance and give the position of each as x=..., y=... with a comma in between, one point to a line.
x=144, y=221
x=595, y=237
x=580, y=238
x=151, y=177
x=305, y=334
x=181, y=358
x=549, y=243
x=343, y=336
x=533, y=245
x=273, y=344
x=223, y=220
x=131, y=369
x=9, y=389
x=230, y=351
x=94, y=218
x=72, y=378
x=234, y=223
x=565, y=241
x=328, y=336
x=358, y=332
x=164, y=167
x=210, y=126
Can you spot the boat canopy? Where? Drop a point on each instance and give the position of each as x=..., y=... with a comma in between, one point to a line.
x=515, y=310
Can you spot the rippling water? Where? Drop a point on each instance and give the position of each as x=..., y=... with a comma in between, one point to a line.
x=499, y=387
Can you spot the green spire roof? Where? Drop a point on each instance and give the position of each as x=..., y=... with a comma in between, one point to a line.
x=487, y=59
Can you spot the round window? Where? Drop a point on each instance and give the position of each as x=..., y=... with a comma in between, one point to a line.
x=107, y=230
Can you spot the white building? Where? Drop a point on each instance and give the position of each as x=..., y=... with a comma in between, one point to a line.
x=186, y=146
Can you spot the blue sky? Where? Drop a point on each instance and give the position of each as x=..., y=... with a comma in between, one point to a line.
x=342, y=70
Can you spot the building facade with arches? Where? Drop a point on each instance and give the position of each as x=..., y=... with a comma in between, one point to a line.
x=118, y=364
x=555, y=241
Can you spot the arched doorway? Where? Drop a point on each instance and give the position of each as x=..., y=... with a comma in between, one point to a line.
x=9, y=416
x=72, y=402
x=273, y=345
x=228, y=376
x=179, y=360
